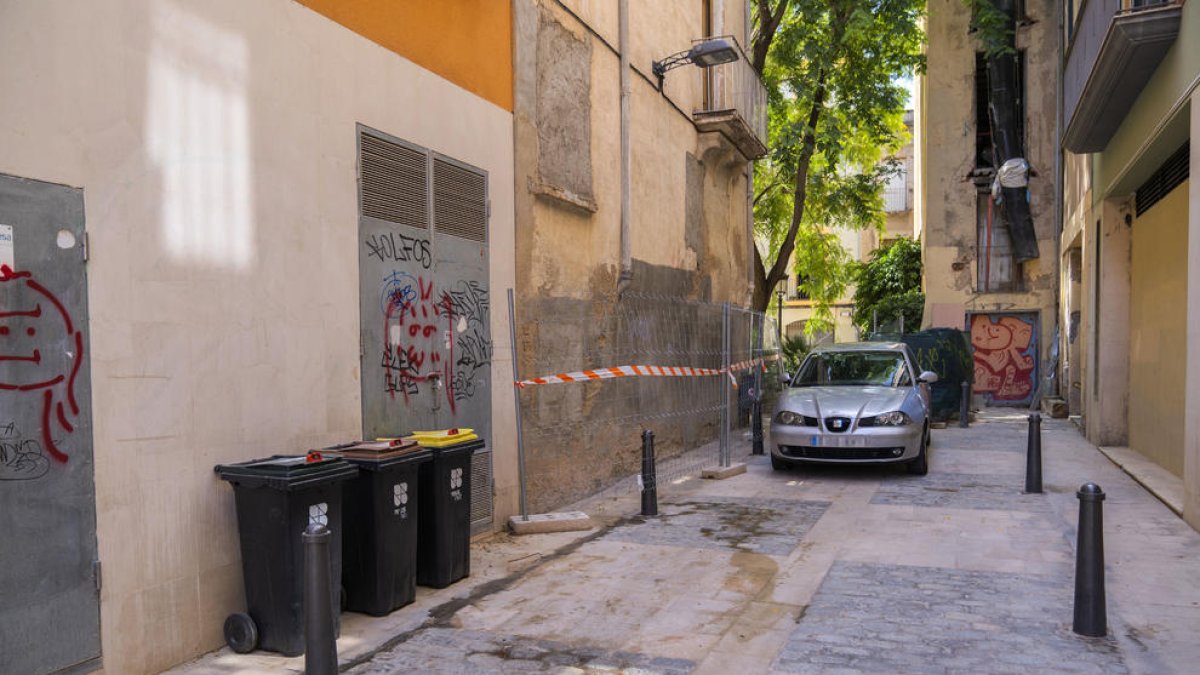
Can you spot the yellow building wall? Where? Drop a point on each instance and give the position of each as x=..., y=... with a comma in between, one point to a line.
x=1158, y=347
x=471, y=47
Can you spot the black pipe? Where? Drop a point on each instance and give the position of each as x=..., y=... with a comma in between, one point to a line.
x=649, y=480
x=964, y=405
x=1033, y=455
x=1091, y=614
x=320, y=647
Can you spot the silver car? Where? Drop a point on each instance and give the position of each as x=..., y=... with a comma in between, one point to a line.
x=854, y=403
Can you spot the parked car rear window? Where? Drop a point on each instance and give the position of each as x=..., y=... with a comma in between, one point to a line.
x=856, y=368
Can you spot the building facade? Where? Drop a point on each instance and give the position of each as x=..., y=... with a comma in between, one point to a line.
x=212, y=218
x=979, y=275
x=1130, y=244
x=618, y=250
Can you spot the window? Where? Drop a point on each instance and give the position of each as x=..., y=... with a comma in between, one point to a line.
x=886, y=369
x=993, y=250
x=984, y=142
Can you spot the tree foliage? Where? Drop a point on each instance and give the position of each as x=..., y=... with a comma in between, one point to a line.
x=835, y=111
x=889, y=286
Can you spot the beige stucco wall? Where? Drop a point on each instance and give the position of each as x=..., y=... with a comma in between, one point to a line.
x=1157, y=345
x=946, y=199
x=215, y=144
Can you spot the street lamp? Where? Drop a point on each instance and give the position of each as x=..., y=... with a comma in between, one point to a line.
x=706, y=54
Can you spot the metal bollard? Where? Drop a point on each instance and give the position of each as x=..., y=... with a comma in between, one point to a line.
x=1091, y=614
x=756, y=425
x=964, y=405
x=1033, y=455
x=649, y=481
x=320, y=647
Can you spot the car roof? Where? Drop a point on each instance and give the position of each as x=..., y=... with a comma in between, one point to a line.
x=861, y=347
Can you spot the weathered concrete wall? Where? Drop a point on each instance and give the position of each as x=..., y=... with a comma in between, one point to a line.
x=688, y=227
x=215, y=143
x=947, y=199
x=1158, y=335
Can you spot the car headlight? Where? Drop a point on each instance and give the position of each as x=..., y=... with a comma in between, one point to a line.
x=790, y=418
x=895, y=418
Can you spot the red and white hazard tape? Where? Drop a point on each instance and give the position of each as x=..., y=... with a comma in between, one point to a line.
x=645, y=371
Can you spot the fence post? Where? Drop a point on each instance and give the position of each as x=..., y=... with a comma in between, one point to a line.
x=724, y=445
x=756, y=425
x=512, y=336
x=649, y=476
x=320, y=647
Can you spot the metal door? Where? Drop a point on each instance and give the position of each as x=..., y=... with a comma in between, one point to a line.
x=1005, y=349
x=424, y=301
x=49, y=585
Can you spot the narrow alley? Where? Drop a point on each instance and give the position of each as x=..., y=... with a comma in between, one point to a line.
x=819, y=570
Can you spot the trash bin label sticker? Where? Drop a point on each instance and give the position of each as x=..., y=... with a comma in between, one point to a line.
x=318, y=514
x=456, y=484
x=400, y=499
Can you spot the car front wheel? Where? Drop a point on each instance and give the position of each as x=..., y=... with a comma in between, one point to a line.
x=920, y=465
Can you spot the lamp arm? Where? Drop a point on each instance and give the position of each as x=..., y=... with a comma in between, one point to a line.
x=660, y=68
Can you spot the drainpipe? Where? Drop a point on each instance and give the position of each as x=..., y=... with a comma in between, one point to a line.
x=626, y=275
x=1058, y=212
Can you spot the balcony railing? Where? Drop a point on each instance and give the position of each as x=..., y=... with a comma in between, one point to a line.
x=735, y=104
x=1116, y=45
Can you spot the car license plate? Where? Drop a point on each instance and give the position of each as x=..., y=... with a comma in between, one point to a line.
x=838, y=442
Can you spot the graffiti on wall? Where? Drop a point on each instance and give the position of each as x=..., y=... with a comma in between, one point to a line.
x=42, y=351
x=20, y=458
x=1005, y=352
x=433, y=334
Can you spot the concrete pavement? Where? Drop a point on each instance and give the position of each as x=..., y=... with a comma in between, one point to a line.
x=821, y=570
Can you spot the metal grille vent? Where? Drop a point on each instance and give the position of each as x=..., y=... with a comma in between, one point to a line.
x=459, y=201
x=1168, y=177
x=393, y=182
x=481, y=492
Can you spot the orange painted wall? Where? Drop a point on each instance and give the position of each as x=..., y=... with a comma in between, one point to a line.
x=468, y=42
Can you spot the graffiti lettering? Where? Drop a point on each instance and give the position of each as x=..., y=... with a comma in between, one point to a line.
x=393, y=246
x=1005, y=357
x=20, y=459
x=43, y=350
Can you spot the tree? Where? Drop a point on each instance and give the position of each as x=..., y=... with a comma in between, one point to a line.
x=889, y=286
x=834, y=110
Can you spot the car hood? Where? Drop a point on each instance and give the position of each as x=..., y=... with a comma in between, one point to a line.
x=844, y=401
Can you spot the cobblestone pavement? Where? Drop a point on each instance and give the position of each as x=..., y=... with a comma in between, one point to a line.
x=898, y=619
x=818, y=570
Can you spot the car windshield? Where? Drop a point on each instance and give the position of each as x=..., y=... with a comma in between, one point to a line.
x=882, y=368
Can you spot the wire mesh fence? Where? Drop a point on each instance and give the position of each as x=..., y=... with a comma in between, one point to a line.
x=599, y=371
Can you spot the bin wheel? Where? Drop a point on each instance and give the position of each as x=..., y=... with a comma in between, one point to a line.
x=240, y=633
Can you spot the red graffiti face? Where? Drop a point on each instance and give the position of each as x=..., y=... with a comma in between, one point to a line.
x=40, y=350
x=25, y=329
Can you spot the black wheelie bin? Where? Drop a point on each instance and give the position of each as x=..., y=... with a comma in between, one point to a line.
x=444, y=528
x=277, y=498
x=379, y=542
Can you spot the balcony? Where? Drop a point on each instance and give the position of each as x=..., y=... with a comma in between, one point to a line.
x=735, y=104
x=1115, y=49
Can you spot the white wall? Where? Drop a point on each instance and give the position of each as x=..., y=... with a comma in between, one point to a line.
x=215, y=144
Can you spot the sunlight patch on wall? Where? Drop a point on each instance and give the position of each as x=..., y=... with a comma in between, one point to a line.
x=198, y=131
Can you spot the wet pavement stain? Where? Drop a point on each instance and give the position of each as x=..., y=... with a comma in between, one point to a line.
x=770, y=526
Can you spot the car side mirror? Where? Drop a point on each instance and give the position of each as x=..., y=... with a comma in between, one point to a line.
x=784, y=378
x=928, y=376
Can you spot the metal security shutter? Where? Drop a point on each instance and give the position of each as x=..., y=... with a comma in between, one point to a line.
x=393, y=182
x=481, y=491
x=459, y=201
